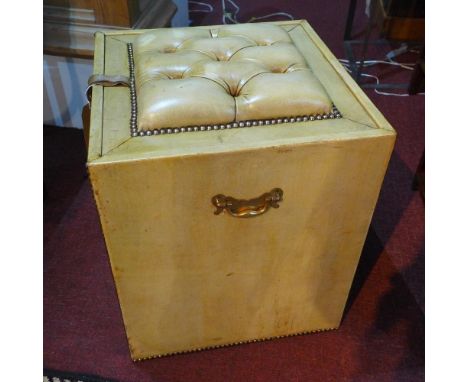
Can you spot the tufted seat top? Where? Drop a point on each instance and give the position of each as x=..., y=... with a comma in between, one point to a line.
x=243, y=72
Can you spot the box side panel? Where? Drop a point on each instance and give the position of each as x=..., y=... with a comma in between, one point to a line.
x=189, y=279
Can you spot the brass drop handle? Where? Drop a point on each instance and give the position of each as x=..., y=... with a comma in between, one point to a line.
x=247, y=208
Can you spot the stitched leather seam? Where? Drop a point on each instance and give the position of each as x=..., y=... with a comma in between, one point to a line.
x=151, y=78
x=210, y=79
x=242, y=36
x=255, y=75
x=238, y=50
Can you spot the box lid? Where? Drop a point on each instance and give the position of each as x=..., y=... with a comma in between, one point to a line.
x=259, y=85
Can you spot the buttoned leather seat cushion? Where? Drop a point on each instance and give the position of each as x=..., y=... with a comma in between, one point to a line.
x=193, y=77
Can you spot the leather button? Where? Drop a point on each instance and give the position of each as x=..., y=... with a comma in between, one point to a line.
x=152, y=66
x=278, y=57
x=232, y=76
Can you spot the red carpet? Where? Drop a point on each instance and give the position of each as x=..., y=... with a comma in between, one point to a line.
x=382, y=333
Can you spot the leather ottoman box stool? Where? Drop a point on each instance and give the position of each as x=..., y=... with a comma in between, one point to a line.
x=235, y=169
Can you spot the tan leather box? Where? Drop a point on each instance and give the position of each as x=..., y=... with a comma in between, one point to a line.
x=235, y=173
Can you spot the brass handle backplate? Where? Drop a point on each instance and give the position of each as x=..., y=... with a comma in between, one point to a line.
x=247, y=208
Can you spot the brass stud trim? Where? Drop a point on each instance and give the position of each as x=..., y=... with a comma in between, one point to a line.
x=133, y=99
x=232, y=344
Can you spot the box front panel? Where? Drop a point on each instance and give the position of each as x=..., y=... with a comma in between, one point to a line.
x=188, y=279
